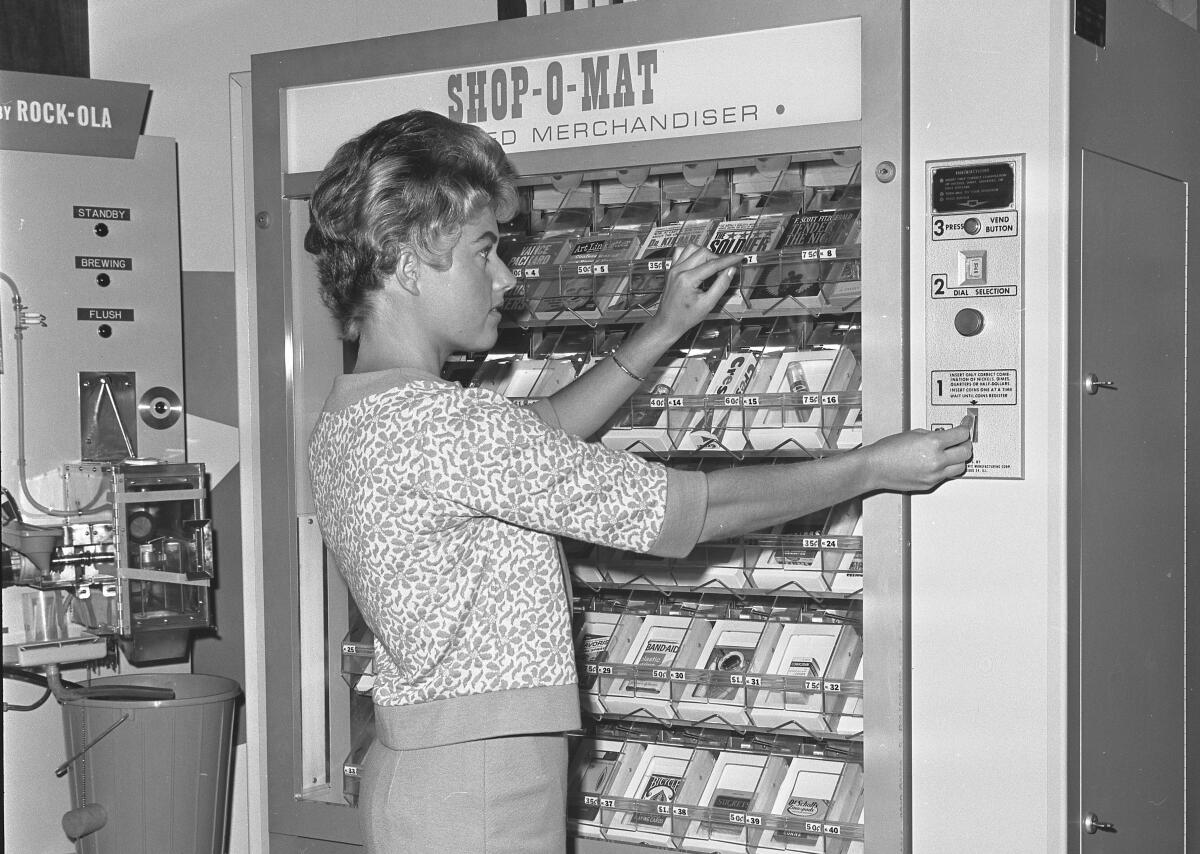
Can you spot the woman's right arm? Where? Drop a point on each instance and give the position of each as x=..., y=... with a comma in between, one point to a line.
x=751, y=498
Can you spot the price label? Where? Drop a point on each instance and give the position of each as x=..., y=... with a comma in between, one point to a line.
x=678, y=676
x=737, y=818
x=833, y=686
x=812, y=827
x=108, y=591
x=681, y=812
x=607, y=803
x=591, y=801
x=810, y=399
x=675, y=403
x=516, y=271
x=753, y=681
x=350, y=649
x=812, y=684
x=584, y=269
x=750, y=259
x=808, y=254
x=754, y=821
x=658, y=674
x=589, y=668
x=830, y=400
x=810, y=542
x=662, y=809
x=829, y=543
x=736, y=679
x=658, y=402
x=604, y=669
x=599, y=269
x=733, y=400
x=351, y=771
x=833, y=829
x=750, y=400
x=533, y=272
x=828, y=253
x=83, y=592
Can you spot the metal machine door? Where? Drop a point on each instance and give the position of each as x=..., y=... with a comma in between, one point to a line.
x=1130, y=596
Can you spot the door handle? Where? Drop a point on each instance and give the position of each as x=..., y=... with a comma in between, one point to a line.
x=1093, y=824
x=1093, y=384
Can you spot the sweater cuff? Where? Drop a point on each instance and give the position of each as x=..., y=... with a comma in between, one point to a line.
x=687, y=505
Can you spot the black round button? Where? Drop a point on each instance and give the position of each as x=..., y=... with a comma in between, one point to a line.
x=103, y=280
x=972, y=226
x=968, y=322
x=101, y=230
x=105, y=330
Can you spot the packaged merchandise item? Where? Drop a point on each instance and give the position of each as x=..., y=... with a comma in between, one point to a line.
x=662, y=642
x=660, y=779
x=589, y=277
x=752, y=237
x=739, y=783
x=813, y=249
x=531, y=258
x=597, y=641
x=815, y=794
x=594, y=765
x=644, y=286
x=655, y=423
x=815, y=657
x=820, y=553
x=730, y=651
x=793, y=415
x=721, y=425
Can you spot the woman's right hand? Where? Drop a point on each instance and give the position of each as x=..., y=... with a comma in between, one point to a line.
x=918, y=460
x=695, y=284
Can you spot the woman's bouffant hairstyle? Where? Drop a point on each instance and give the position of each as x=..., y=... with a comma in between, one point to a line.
x=411, y=181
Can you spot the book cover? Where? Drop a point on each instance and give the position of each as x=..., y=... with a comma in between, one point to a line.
x=646, y=281
x=587, y=280
x=530, y=258
x=801, y=266
x=749, y=236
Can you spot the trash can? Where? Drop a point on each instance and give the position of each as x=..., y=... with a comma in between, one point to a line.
x=155, y=775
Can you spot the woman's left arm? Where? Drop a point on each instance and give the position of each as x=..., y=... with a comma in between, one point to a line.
x=585, y=405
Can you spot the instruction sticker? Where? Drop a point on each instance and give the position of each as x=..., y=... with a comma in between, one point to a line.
x=974, y=387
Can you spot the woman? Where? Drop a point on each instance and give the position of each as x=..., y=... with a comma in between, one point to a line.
x=442, y=505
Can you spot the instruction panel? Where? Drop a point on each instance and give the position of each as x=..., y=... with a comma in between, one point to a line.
x=974, y=317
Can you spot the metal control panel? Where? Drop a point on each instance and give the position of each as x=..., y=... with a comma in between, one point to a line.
x=974, y=314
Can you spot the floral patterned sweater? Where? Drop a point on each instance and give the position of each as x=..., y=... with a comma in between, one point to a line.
x=442, y=506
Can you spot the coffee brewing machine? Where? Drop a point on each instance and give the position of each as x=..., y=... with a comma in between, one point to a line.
x=106, y=532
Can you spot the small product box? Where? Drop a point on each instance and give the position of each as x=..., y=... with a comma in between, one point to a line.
x=794, y=414
x=815, y=658
x=722, y=414
x=712, y=566
x=531, y=259
x=730, y=651
x=595, y=763
x=601, y=637
x=820, y=553
x=664, y=775
x=817, y=799
x=657, y=413
x=740, y=786
x=662, y=645
x=530, y=379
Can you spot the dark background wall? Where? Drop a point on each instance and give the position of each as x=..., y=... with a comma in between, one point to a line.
x=45, y=37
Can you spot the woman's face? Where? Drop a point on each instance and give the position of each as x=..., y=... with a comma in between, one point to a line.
x=466, y=298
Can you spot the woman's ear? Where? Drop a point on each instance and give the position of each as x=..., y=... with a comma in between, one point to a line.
x=408, y=271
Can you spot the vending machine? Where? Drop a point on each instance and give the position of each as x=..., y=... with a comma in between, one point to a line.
x=944, y=213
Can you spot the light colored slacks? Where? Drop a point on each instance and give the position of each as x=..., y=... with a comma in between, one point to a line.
x=493, y=796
